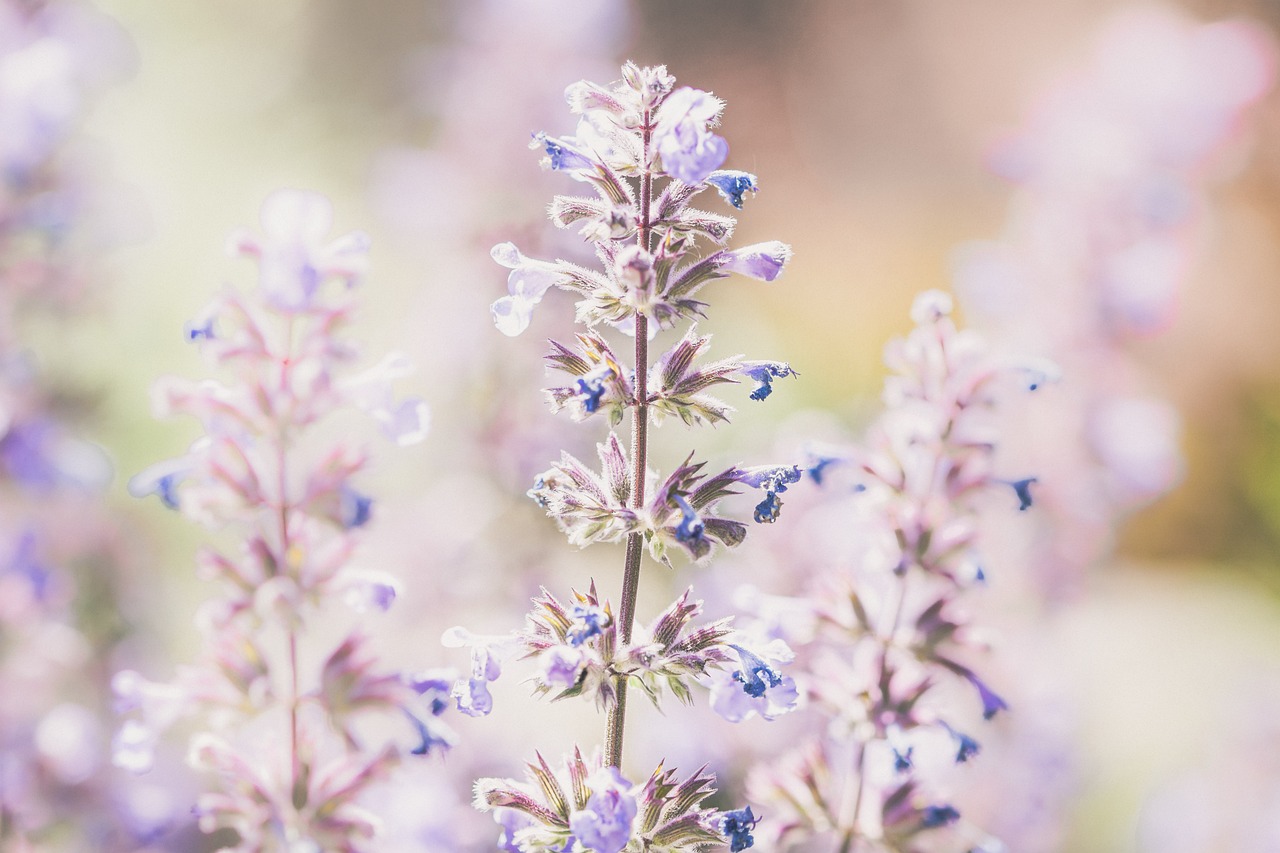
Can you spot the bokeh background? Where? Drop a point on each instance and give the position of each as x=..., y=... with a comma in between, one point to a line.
x=871, y=126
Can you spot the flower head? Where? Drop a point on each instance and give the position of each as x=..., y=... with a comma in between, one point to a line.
x=604, y=825
x=732, y=184
x=683, y=139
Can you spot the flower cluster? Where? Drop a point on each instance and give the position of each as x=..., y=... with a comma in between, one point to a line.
x=289, y=743
x=648, y=241
x=878, y=642
x=592, y=806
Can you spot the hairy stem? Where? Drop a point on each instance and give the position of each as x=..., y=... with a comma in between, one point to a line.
x=615, y=724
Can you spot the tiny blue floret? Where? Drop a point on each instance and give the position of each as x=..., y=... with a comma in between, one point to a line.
x=966, y=747
x=933, y=817
x=767, y=510
x=590, y=390
x=732, y=184
x=194, y=331
x=167, y=490
x=763, y=373
x=817, y=469
x=587, y=622
x=355, y=509
x=1022, y=488
x=902, y=760
x=690, y=528
x=757, y=674
x=737, y=825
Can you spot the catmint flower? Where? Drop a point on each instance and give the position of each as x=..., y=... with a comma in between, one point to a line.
x=691, y=528
x=472, y=693
x=605, y=824
x=528, y=282
x=774, y=479
x=293, y=260
x=966, y=747
x=932, y=817
x=355, y=509
x=737, y=826
x=403, y=421
x=763, y=373
x=732, y=184
x=588, y=621
x=757, y=686
x=161, y=480
x=763, y=261
x=682, y=137
x=369, y=590
x=562, y=665
x=563, y=154
x=1022, y=488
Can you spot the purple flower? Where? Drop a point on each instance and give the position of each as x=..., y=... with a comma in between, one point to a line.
x=763, y=373
x=562, y=665
x=932, y=817
x=756, y=687
x=737, y=825
x=1022, y=488
x=966, y=747
x=293, y=259
x=528, y=281
x=354, y=509
x=368, y=589
x=732, y=184
x=511, y=821
x=691, y=528
x=774, y=479
x=588, y=621
x=564, y=154
x=991, y=702
x=161, y=480
x=683, y=139
x=472, y=694
x=592, y=387
x=604, y=825
x=403, y=421
x=763, y=261
x=26, y=563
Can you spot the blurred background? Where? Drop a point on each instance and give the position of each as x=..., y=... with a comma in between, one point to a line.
x=874, y=129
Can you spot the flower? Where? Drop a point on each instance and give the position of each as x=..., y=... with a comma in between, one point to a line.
x=604, y=825
x=472, y=694
x=528, y=281
x=763, y=373
x=732, y=184
x=293, y=260
x=737, y=825
x=756, y=687
x=682, y=137
x=763, y=261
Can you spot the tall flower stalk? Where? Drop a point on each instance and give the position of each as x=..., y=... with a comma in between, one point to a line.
x=881, y=637
x=296, y=747
x=647, y=150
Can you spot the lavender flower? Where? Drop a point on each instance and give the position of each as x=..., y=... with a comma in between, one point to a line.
x=629, y=138
x=690, y=152
x=299, y=520
x=889, y=631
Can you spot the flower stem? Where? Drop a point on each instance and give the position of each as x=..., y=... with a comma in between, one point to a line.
x=285, y=565
x=615, y=723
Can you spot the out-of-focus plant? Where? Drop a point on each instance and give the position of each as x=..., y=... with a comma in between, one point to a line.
x=878, y=644
x=296, y=727
x=1111, y=170
x=58, y=546
x=646, y=235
